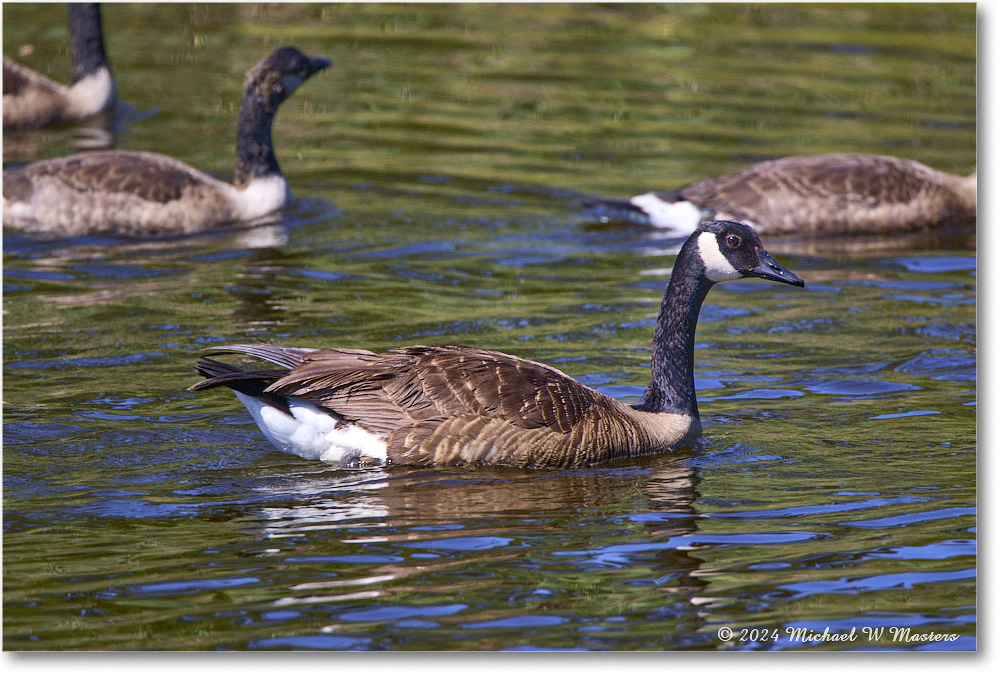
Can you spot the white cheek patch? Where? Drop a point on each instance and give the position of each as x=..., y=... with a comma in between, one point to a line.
x=291, y=83
x=679, y=217
x=717, y=268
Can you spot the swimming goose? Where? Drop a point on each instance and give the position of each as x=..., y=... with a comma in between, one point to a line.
x=815, y=194
x=452, y=405
x=31, y=100
x=146, y=194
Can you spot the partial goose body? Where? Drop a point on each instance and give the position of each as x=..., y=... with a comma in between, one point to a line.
x=130, y=194
x=146, y=194
x=31, y=100
x=815, y=195
x=456, y=405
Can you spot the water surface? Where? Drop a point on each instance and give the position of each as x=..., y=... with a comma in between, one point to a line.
x=437, y=168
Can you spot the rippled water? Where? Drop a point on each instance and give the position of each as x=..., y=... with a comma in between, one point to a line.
x=437, y=168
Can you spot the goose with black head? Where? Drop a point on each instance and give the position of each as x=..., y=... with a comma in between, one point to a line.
x=455, y=405
x=813, y=195
x=146, y=194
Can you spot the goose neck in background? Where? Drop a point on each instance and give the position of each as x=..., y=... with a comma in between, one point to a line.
x=254, y=150
x=86, y=42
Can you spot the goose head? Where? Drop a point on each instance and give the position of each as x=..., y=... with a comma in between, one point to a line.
x=718, y=250
x=730, y=250
x=270, y=82
x=278, y=76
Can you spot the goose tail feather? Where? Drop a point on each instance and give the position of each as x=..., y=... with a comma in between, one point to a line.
x=286, y=357
x=609, y=203
x=252, y=383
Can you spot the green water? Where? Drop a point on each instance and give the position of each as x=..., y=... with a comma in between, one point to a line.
x=438, y=167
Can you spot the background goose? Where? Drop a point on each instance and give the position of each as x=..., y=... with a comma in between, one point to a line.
x=143, y=194
x=449, y=405
x=816, y=194
x=31, y=100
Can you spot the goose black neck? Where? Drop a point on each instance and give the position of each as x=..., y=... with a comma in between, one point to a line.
x=671, y=387
x=254, y=149
x=86, y=43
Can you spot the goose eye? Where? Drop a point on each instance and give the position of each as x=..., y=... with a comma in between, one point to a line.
x=733, y=240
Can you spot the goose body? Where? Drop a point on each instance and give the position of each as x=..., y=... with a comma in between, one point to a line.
x=454, y=405
x=31, y=100
x=147, y=194
x=815, y=195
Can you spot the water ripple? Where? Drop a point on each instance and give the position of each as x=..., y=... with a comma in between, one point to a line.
x=911, y=518
x=902, y=581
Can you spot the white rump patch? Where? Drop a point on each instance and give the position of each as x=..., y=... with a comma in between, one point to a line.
x=679, y=217
x=717, y=267
x=311, y=433
x=261, y=196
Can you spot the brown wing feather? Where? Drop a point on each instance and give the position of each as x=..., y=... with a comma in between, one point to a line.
x=856, y=177
x=419, y=384
x=823, y=192
x=608, y=430
x=17, y=186
x=30, y=99
x=146, y=175
x=18, y=79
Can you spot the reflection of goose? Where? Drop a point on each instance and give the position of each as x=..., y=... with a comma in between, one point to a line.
x=459, y=405
x=455, y=520
x=815, y=194
x=410, y=497
x=141, y=193
x=32, y=100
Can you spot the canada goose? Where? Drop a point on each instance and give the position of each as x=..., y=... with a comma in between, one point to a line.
x=146, y=194
x=814, y=195
x=449, y=405
x=31, y=100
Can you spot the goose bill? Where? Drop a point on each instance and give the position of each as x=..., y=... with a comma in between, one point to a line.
x=769, y=268
x=319, y=63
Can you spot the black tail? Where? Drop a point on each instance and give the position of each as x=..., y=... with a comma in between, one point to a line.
x=249, y=382
x=609, y=203
x=605, y=210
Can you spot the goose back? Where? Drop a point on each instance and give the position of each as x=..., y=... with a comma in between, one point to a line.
x=845, y=193
x=29, y=99
x=812, y=195
x=127, y=193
